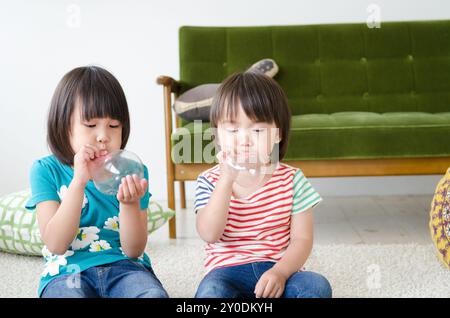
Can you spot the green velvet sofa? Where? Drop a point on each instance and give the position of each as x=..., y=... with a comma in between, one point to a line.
x=365, y=101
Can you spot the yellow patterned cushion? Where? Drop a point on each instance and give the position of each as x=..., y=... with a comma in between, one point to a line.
x=440, y=219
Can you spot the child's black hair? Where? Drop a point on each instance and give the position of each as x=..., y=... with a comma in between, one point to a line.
x=99, y=94
x=261, y=98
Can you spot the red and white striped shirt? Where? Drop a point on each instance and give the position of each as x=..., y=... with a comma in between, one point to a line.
x=258, y=225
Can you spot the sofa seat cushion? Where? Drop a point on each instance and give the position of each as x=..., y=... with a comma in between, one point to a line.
x=364, y=135
x=343, y=135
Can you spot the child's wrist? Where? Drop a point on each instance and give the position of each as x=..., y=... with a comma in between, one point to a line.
x=281, y=271
x=226, y=180
x=76, y=182
x=130, y=205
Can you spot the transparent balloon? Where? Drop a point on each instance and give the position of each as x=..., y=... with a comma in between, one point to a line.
x=107, y=171
x=250, y=170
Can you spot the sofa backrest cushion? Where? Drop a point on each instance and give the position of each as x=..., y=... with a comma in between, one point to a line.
x=401, y=66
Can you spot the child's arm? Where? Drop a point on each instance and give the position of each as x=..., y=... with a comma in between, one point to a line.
x=59, y=222
x=212, y=219
x=132, y=220
x=271, y=284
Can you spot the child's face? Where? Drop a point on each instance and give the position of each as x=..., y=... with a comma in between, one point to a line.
x=248, y=141
x=104, y=133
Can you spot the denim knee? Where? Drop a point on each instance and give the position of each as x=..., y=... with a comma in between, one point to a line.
x=59, y=288
x=214, y=287
x=153, y=292
x=307, y=285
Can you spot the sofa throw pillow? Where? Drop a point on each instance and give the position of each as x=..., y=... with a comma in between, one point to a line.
x=195, y=103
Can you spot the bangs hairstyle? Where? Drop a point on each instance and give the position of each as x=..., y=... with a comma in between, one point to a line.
x=261, y=99
x=99, y=94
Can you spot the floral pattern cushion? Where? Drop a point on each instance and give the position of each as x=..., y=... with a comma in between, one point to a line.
x=440, y=219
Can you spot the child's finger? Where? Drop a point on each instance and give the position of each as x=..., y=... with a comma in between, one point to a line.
x=94, y=149
x=268, y=289
x=89, y=152
x=259, y=288
x=131, y=186
x=97, y=151
x=144, y=185
x=137, y=183
x=274, y=292
x=141, y=185
x=220, y=156
x=279, y=292
x=230, y=153
x=126, y=193
x=120, y=193
x=86, y=156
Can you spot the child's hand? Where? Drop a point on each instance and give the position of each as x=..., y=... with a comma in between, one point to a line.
x=226, y=170
x=132, y=189
x=270, y=285
x=82, y=159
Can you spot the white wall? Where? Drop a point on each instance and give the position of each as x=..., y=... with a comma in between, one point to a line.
x=137, y=41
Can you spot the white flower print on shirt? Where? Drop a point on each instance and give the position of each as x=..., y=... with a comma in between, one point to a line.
x=85, y=236
x=46, y=253
x=62, y=192
x=99, y=246
x=112, y=224
x=54, y=262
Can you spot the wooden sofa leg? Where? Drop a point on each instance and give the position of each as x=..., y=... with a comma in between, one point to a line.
x=182, y=195
x=171, y=205
x=173, y=228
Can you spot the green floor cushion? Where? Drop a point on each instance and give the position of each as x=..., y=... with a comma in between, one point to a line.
x=440, y=219
x=344, y=135
x=19, y=231
x=157, y=216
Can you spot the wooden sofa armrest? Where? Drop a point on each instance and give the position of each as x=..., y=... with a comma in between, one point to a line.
x=168, y=81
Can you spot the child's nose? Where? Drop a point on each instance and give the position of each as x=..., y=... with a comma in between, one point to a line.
x=245, y=138
x=102, y=139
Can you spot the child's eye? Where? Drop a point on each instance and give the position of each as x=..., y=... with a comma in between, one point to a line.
x=114, y=126
x=232, y=130
x=259, y=130
x=90, y=125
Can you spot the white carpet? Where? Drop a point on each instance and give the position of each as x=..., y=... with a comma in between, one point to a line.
x=398, y=270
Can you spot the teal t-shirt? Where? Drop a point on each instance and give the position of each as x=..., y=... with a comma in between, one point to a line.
x=97, y=242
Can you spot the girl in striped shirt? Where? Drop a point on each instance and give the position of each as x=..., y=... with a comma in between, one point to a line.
x=254, y=212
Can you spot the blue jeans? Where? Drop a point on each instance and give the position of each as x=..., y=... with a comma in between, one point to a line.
x=122, y=279
x=239, y=282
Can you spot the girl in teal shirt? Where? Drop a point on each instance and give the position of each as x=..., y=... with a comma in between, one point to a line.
x=94, y=243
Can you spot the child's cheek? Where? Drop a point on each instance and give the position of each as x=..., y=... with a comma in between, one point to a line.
x=265, y=147
x=228, y=141
x=118, y=138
